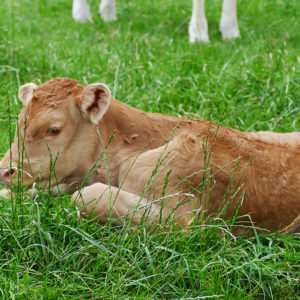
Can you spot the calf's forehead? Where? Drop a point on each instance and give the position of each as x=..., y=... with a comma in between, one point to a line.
x=57, y=88
x=58, y=94
x=54, y=101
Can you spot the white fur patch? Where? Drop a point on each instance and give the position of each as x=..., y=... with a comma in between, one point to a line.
x=81, y=11
x=229, y=24
x=107, y=10
x=198, y=30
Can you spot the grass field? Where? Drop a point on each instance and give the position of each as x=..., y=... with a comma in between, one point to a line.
x=252, y=83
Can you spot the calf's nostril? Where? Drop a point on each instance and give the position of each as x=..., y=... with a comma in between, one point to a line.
x=7, y=175
x=9, y=172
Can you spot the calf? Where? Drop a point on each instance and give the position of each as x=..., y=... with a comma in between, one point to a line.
x=131, y=160
x=198, y=30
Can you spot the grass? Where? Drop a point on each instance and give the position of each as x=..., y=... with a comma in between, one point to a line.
x=252, y=83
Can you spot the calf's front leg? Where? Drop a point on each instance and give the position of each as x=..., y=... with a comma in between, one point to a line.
x=110, y=202
x=33, y=192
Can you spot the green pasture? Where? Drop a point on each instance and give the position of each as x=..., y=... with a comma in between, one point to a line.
x=251, y=83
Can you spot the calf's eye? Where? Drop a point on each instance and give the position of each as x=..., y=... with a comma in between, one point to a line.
x=53, y=131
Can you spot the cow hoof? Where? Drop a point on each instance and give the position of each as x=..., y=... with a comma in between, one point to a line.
x=6, y=193
x=198, y=32
x=229, y=29
x=230, y=34
x=107, y=10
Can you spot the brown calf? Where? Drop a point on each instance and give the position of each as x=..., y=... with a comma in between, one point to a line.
x=200, y=166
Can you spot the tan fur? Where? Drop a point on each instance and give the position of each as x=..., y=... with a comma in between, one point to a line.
x=198, y=162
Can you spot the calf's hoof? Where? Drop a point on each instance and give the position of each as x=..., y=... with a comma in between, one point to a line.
x=5, y=193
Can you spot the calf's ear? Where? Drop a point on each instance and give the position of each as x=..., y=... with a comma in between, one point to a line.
x=26, y=91
x=95, y=101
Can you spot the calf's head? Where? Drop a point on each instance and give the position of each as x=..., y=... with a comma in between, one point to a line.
x=56, y=133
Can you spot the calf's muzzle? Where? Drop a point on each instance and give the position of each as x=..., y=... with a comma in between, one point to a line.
x=7, y=175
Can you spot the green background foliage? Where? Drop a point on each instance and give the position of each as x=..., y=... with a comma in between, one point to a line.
x=251, y=83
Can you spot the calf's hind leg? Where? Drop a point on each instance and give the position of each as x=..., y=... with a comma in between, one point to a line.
x=107, y=202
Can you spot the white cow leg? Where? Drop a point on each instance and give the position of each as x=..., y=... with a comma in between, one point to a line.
x=198, y=29
x=107, y=10
x=229, y=23
x=81, y=11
